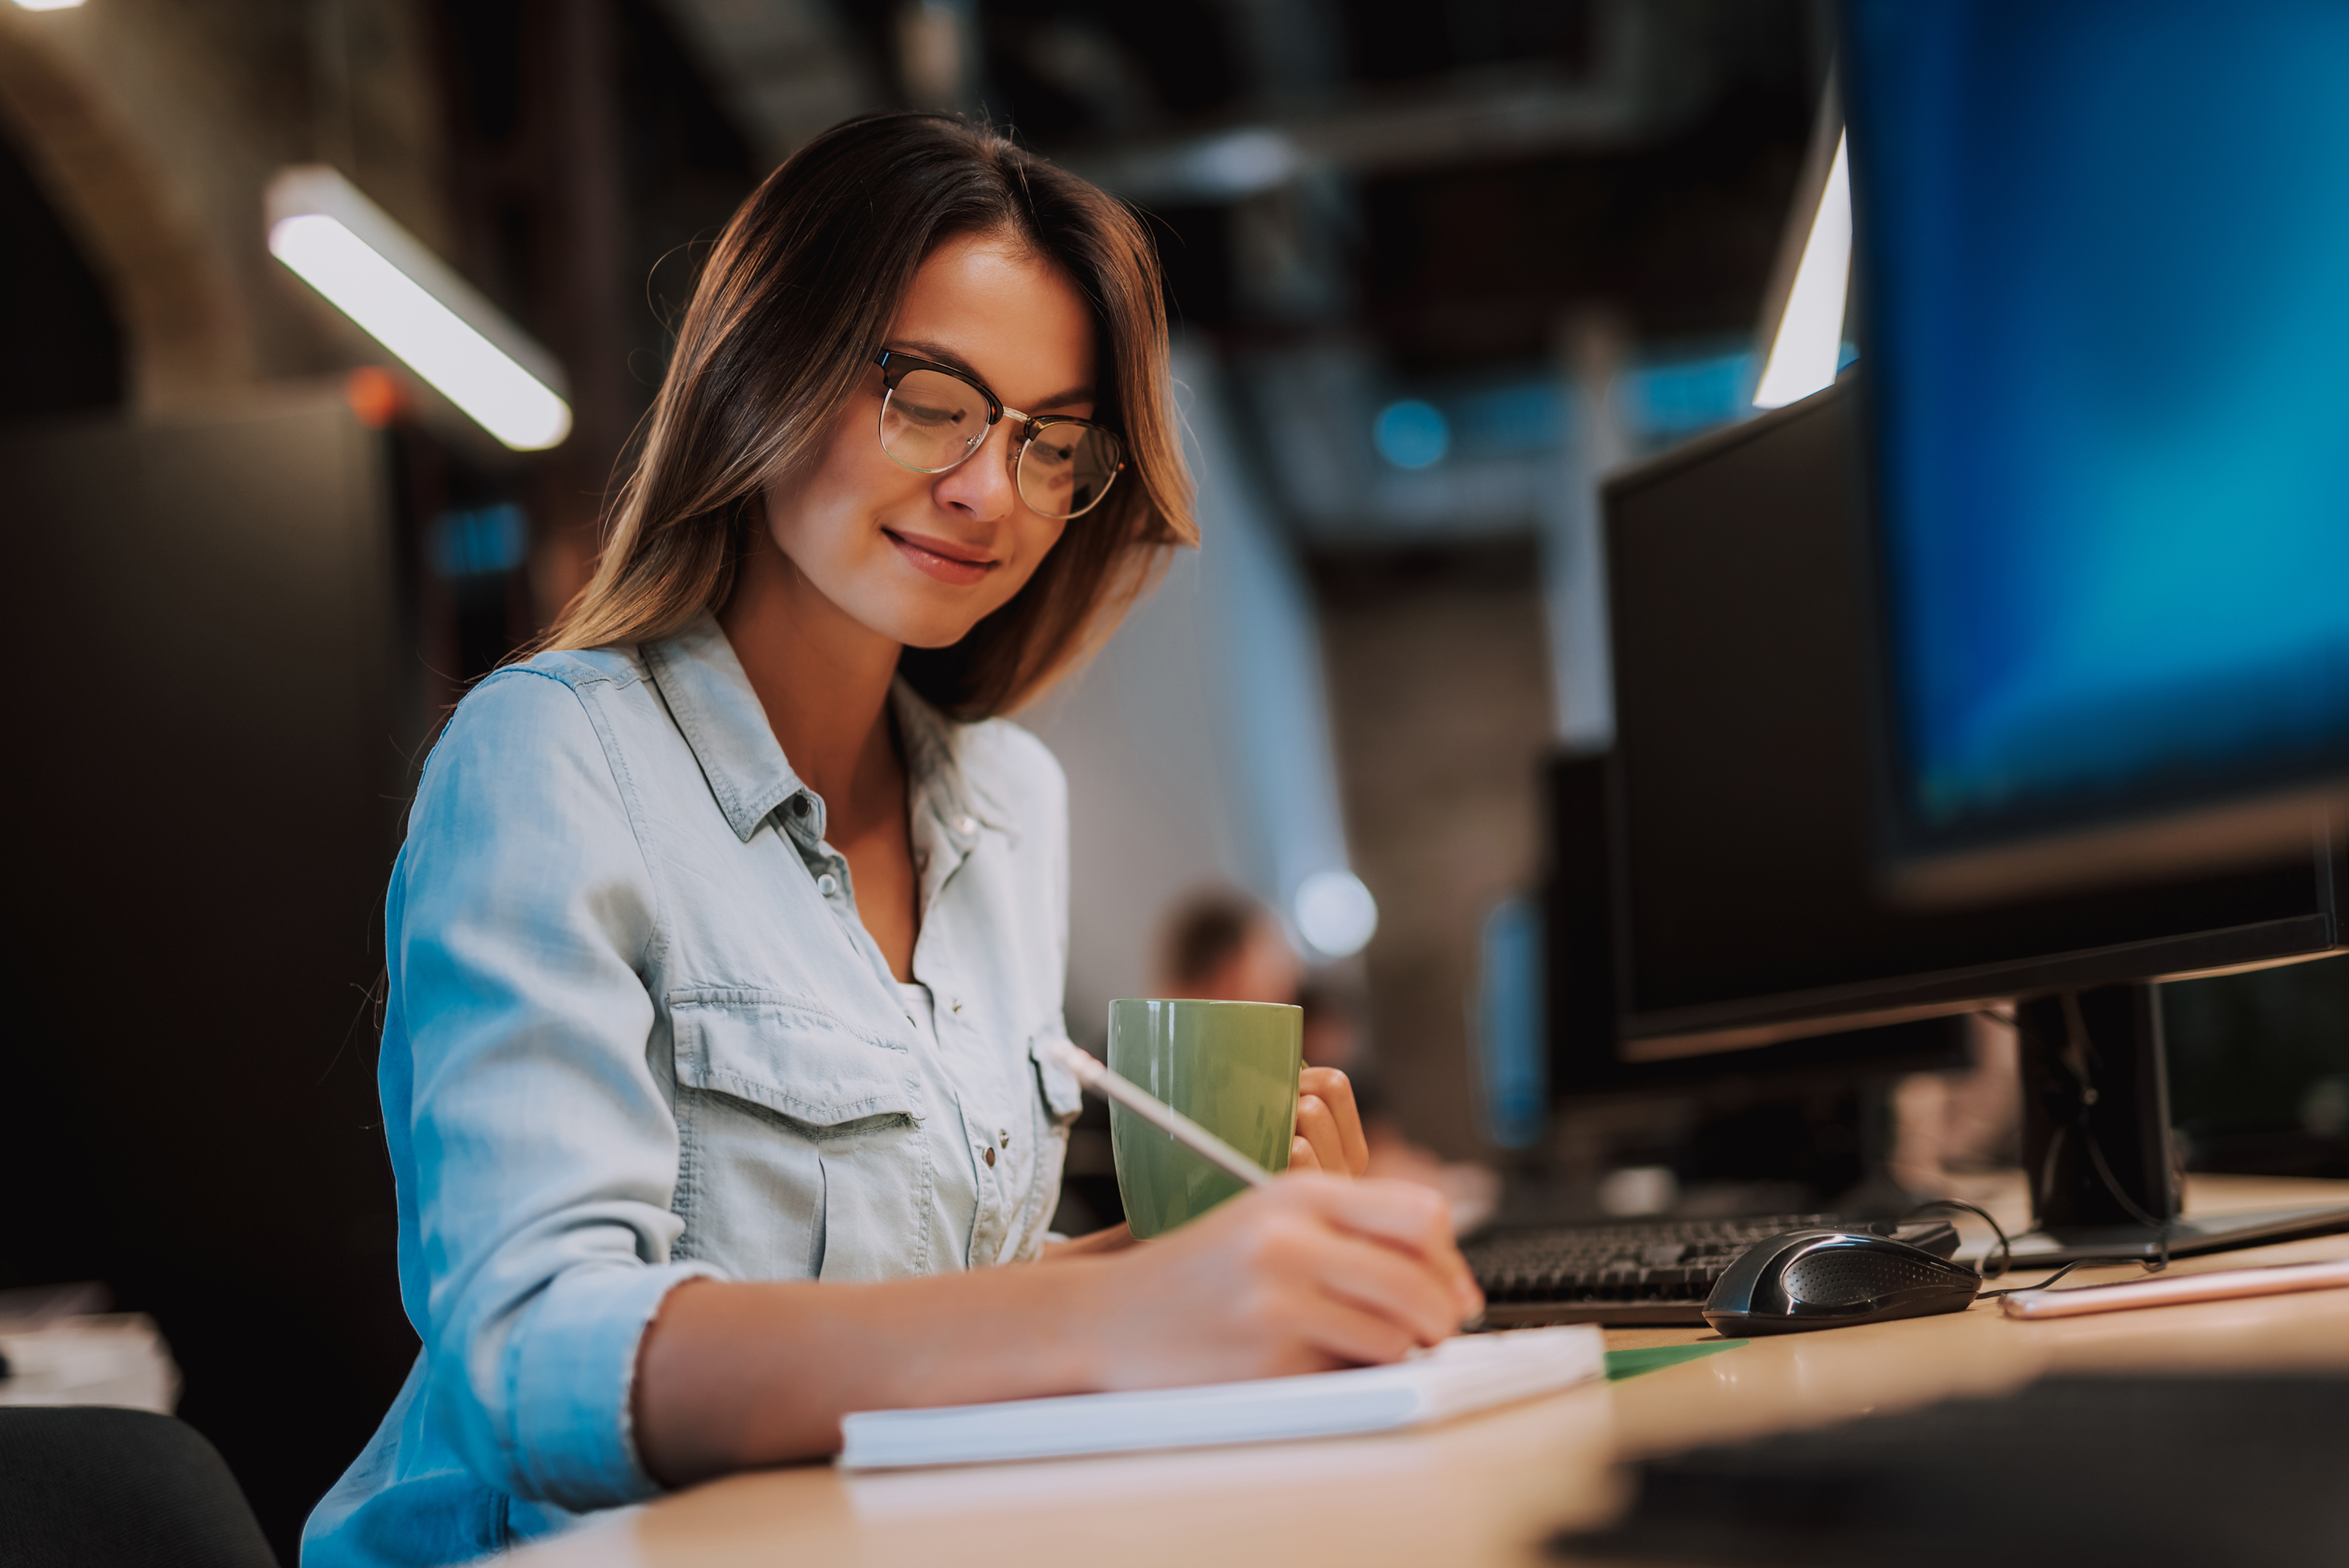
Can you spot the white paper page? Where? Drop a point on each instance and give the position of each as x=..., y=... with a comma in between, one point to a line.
x=1470, y=1373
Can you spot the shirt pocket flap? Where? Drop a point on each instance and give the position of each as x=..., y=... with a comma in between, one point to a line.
x=1063, y=1095
x=792, y=1058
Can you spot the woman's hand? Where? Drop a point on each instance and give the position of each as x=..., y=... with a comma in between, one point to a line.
x=1303, y=1275
x=1330, y=1136
x=1329, y=1140
x=1307, y=1273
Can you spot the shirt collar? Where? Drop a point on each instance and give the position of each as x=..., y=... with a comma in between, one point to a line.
x=720, y=716
x=722, y=720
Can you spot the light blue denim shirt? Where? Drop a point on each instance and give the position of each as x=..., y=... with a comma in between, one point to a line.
x=636, y=1033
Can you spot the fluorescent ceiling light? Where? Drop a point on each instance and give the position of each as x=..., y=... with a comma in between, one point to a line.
x=1810, y=334
x=46, y=5
x=414, y=303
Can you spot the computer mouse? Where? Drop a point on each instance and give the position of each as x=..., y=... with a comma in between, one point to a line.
x=1826, y=1278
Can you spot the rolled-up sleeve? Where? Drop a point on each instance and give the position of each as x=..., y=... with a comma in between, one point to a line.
x=534, y=1142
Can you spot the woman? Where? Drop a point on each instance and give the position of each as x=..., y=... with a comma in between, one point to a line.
x=728, y=926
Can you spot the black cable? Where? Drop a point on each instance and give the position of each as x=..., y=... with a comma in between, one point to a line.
x=2018, y=1289
x=2047, y=1184
x=2141, y=1261
x=2160, y=1228
x=2005, y=1246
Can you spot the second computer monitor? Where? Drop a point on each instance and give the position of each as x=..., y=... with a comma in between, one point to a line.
x=1723, y=858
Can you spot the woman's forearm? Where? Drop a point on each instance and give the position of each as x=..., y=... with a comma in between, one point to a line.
x=1307, y=1273
x=734, y=1375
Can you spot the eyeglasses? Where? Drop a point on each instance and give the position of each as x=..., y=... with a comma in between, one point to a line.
x=933, y=417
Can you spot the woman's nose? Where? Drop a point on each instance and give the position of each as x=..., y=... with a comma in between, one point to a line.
x=983, y=487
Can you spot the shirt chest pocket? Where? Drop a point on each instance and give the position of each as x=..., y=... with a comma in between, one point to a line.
x=800, y=1147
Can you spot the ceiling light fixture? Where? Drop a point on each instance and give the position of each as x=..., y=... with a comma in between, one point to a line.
x=414, y=303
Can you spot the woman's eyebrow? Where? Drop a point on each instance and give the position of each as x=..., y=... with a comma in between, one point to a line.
x=945, y=356
x=926, y=350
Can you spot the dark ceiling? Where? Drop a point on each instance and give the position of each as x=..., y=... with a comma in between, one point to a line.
x=1460, y=257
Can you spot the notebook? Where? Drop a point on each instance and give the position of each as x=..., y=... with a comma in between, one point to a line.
x=1473, y=1372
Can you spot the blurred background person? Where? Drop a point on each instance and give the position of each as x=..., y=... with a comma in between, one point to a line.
x=1225, y=946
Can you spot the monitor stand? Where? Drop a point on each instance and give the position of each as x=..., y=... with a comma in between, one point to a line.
x=2096, y=1146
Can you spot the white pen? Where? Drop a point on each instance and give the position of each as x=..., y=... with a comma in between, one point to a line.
x=1097, y=1078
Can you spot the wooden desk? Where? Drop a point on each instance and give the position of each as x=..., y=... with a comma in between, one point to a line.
x=1483, y=1491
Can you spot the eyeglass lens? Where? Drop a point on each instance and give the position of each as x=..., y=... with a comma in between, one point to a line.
x=1066, y=468
x=930, y=422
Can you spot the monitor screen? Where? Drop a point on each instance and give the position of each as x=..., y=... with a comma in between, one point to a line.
x=2101, y=248
x=1746, y=907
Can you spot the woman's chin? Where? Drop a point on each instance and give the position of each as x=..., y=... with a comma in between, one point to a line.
x=919, y=629
x=926, y=614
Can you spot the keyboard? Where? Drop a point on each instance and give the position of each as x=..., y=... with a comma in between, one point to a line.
x=1656, y=1272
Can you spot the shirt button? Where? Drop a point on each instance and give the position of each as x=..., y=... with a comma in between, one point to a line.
x=827, y=884
x=991, y=1158
x=1005, y=1135
x=965, y=824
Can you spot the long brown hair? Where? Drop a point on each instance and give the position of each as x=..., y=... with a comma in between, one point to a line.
x=794, y=299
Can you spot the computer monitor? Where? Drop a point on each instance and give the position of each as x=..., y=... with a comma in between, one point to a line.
x=1715, y=905
x=2100, y=248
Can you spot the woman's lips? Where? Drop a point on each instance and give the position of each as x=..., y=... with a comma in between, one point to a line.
x=938, y=558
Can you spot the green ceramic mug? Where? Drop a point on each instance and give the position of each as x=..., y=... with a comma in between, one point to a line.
x=1232, y=1067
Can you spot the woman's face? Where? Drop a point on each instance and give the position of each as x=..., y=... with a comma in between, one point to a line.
x=920, y=559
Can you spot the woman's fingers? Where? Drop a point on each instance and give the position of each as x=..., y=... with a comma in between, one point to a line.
x=1336, y=1092
x=1302, y=1156
x=1312, y=1270
x=1388, y=1284
x=1413, y=1219
x=1349, y=1334
x=1318, y=1126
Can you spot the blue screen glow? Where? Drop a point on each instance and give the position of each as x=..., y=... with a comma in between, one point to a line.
x=2105, y=248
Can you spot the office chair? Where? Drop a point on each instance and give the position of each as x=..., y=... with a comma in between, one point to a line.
x=91, y=1486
